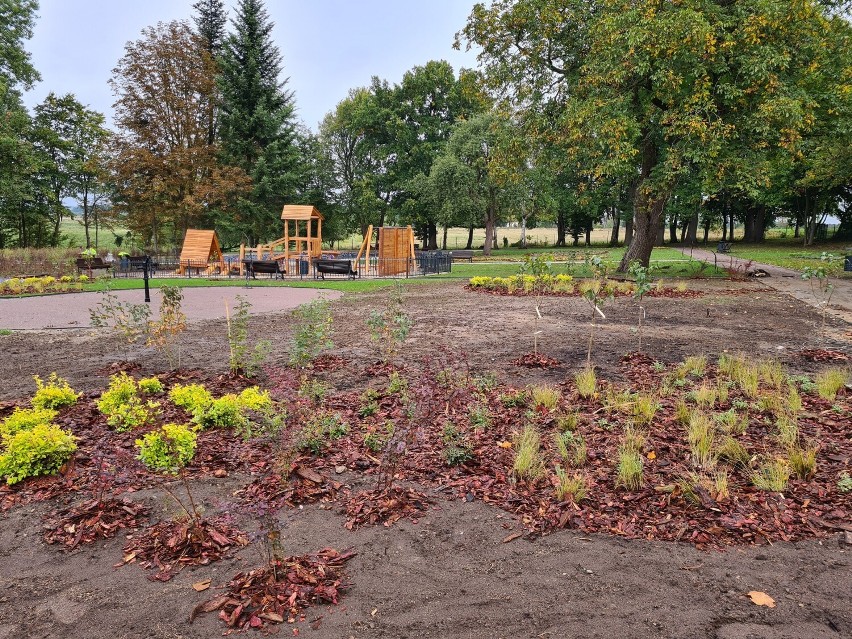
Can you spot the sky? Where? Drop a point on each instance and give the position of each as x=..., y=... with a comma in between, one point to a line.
x=328, y=46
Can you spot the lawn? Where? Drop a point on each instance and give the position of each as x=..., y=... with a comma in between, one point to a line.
x=791, y=254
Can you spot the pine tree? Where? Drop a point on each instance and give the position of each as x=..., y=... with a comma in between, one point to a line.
x=210, y=19
x=258, y=121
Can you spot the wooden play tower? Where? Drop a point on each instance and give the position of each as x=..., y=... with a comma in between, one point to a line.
x=395, y=253
x=302, y=236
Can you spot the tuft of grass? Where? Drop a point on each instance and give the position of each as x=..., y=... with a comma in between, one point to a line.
x=682, y=413
x=772, y=373
x=567, y=422
x=615, y=401
x=705, y=395
x=629, y=470
x=803, y=461
x=788, y=430
x=644, y=409
x=733, y=422
x=528, y=462
x=733, y=451
x=545, y=397
x=570, y=487
x=720, y=485
x=772, y=475
x=695, y=365
x=586, y=382
x=722, y=391
x=571, y=448
x=830, y=381
x=701, y=437
x=794, y=401
x=771, y=402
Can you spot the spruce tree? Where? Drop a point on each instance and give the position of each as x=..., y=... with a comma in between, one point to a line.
x=258, y=122
x=210, y=19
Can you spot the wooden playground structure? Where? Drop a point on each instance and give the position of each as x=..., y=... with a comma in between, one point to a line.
x=201, y=250
x=395, y=250
x=303, y=243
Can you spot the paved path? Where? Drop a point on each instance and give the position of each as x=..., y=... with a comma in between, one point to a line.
x=783, y=280
x=71, y=310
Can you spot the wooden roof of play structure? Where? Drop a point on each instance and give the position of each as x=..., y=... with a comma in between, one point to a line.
x=300, y=212
x=200, y=247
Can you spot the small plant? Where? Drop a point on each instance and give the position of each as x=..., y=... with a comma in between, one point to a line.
x=375, y=440
x=151, y=386
x=682, y=413
x=528, y=463
x=571, y=448
x=164, y=333
x=586, y=382
x=313, y=389
x=480, y=417
x=822, y=287
x=788, y=430
x=131, y=321
x=242, y=358
x=733, y=452
x=829, y=382
x=123, y=407
x=53, y=394
x=771, y=403
x=644, y=408
x=397, y=384
x=369, y=403
x=803, y=461
x=772, y=475
x=319, y=430
x=41, y=450
x=844, y=482
x=568, y=422
x=193, y=398
x=794, y=401
x=629, y=469
x=457, y=450
x=701, y=437
x=570, y=487
x=806, y=384
x=596, y=294
x=312, y=334
x=514, y=399
x=25, y=419
x=390, y=326
x=694, y=365
x=642, y=287
x=224, y=412
x=538, y=278
x=705, y=395
x=772, y=373
x=168, y=451
x=545, y=397
x=486, y=382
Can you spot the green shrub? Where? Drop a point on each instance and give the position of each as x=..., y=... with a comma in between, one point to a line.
x=844, y=483
x=457, y=449
x=312, y=334
x=32, y=453
x=254, y=399
x=480, y=417
x=151, y=386
x=375, y=440
x=322, y=428
x=169, y=449
x=122, y=405
x=193, y=398
x=25, y=419
x=53, y=394
x=397, y=384
x=225, y=412
x=313, y=389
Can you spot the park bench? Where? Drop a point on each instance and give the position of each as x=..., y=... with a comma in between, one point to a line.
x=334, y=267
x=93, y=264
x=724, y=247
x=462, y=255
x=270, y=267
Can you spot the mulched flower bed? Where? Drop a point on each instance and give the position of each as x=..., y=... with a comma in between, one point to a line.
x=169, y=546
x=93, y=519
x=303, y=486
x=386, y=507
x=281, y=591
x=822, y=355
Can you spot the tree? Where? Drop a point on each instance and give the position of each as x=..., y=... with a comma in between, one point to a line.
x=210, y=19
x=258, y=126
x=656, y=90
x=17, y=18
x=166, y=173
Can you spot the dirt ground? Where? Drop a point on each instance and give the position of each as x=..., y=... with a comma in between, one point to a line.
x=450, y=574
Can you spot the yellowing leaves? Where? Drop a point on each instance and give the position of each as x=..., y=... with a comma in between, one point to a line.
x=759, y=598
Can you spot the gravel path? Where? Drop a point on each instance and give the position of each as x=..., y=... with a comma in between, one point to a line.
x=72, y=310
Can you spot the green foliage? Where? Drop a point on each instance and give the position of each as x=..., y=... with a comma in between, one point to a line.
x=457, y=448
x=571, y=447
x=131, y=321
x=701, y=436
x=121, y=403
x=772, y=475
x=224, y=412
x=844, y=483
x=528, y=463
x=193, y=398
x=53, y=394
x=390, y=326
x=830, y=381
x=586, y=382
x=312, y=334
x=514, y=399
x=629, y=469
x=167, y=450
x=486, y=382
x=369, y=403
x=480, y=417
x=164, y=333
x=25, y=419
x=545, y=397
x=570, y=487
x=321, y=428
x=314, y=389
x=644, y=408
x=397, y=384
x=375, y=439
x=803, y=461
x=151, y=386
x=242, y=357
x=41, y=450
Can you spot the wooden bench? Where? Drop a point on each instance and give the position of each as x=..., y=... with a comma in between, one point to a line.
x=270, y=267
x=462, y=255
x=724, y=247
x=334, y=267
x=93, y=264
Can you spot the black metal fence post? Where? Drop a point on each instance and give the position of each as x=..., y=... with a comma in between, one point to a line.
x=145, y=268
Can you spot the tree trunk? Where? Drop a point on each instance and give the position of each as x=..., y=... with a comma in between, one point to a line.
x=469, y=237
x=588, y=236
x=692, y=229
x=490, y=219
x=672, y=229
x=616, y=227
x=433, y=237
x=628, y=230
x=560, y=229
x=706, y=231
x=725, y=222
x=731, y=221
x=444, y=242
x=661, y=232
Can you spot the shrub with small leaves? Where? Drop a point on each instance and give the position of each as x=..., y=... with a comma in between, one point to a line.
x=844, y=483
x=151, y=386
x=321, y=428
x=42, y=450
x=122, y=405
x=375, y=439
x=312, y=334
x=225, y=412
x=167, y=450
x=25, y=419
x=193, y=398
x=53, y=394
x=480, y=417
x=397, y=384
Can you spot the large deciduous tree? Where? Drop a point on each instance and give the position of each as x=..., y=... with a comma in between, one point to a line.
x=657, y=90
x=258, y=124
x=167, y=174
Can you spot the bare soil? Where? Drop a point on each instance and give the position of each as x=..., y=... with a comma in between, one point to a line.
x=452, y=573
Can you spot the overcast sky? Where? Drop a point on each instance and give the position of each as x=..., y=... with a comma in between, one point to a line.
x=328, y=46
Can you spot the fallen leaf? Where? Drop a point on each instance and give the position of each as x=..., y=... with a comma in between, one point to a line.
x=761, y=599
x=373, y=612
x=652, y=455
x=505, y=444
x=512, y=537
x=201, y=585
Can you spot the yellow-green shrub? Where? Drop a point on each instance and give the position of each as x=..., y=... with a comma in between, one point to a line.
x=25, y=419
x=53, y=394
x=193, y=398
x=32, y=453
x=122, y=405
x=169, y=449
x=151, y=386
